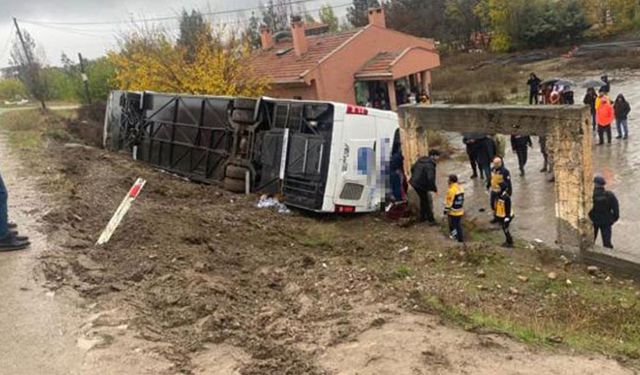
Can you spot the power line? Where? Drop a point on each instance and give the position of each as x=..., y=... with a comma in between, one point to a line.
x=165, y=18
x=96, y=32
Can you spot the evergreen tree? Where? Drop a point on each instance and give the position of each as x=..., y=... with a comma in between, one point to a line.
x=357, y=13
x=193, y=27
x=252, y=33
x=328, y=17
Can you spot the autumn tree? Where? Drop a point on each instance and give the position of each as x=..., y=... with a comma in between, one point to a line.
x=148, y=59
x=357, y=13
x=328, y=17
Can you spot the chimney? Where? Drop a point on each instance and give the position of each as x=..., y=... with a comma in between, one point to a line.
x=266, y=38
x=300, y=45
x=376, y=17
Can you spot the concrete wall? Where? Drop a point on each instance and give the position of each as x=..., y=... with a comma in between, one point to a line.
x=569, y=139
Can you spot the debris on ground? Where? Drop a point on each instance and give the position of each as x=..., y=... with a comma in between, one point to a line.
x=272, y=202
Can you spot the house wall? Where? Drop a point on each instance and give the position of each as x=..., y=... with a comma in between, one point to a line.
x=336, y=74
x=307, y=92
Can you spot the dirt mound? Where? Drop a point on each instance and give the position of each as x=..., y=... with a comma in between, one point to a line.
x=89, y=124
x=202, y=265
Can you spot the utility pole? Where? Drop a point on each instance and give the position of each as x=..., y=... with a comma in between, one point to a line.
x=31, y=68
x=85, y=79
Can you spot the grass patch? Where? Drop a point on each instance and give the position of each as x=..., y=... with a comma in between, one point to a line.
x=319, y=236
x=29, y=128
x=514, y=296
x=462, y=79
x=402, y=272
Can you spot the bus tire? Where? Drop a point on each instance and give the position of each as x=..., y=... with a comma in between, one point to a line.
x=234, y=171
x=242, y=116
x=233, y=185
x=244, y=103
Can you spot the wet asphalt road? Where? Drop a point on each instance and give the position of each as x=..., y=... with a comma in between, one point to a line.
x=533, y=195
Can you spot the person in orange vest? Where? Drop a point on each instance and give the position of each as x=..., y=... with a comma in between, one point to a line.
x=453, y=208
x=604, y=117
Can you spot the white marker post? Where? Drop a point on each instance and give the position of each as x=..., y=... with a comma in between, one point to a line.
x=121, y=211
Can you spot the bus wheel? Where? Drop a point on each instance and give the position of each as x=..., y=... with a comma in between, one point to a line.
x=234, y=171
x=234, y=185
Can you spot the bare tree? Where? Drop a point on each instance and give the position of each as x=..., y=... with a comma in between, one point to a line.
x=29, y=65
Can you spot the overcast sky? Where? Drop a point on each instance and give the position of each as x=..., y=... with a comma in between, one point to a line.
x=95, y=38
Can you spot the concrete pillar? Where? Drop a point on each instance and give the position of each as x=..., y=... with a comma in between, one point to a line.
x=424, y=81
x=391, y=88
x=571, y=144
x=414, y=140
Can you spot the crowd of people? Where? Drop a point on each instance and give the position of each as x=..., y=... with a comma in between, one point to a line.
x=486, y=151
x=498, y=177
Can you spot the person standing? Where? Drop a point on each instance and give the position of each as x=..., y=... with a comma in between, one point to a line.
x=520, y=145
x=499, y=175
x=473, y=143
x=607, y=85
x=590, y=100
x=504, y=213
x=534, y=88
x=622, y=109
x=605, y=211
x=423, y=181
x=546, y=167
x=486, y=153
x=9, y=239
x=604, y=117
x=454, y=208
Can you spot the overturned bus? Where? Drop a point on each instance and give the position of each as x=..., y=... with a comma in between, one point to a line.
x=321, y=156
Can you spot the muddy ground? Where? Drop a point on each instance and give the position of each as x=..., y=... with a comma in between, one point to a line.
x=218, y=286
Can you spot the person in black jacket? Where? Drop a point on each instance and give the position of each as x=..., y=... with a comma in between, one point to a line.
x=607, y=85
x=520, y=145
x=590, y=100
x=534, y=88
x=622, y=108
x=486, y=153
x=473, y=142
x=605, y=211
x=423, y=180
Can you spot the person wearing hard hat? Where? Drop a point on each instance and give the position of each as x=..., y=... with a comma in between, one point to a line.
x=604, y=117
x=605, y=211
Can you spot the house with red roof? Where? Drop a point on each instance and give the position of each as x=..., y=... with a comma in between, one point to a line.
x=372, y=65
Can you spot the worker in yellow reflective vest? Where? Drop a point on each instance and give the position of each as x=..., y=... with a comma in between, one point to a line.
x=504, y=213
x=453, y=208
x=499, y=174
